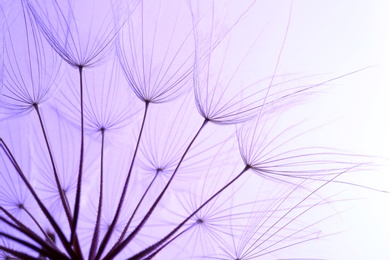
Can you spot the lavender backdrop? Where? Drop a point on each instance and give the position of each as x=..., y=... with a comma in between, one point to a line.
x=194, y=129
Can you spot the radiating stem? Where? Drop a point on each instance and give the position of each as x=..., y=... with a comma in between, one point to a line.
x=122, y=198
x=80, y=175
x=22, y=242
x=156, y=246
x=95, y=238
x=27, y=231
x=170, y=241
x=63, y=198
x=48, y=239
x=46, y=249
x=135, y=211
x=54, y=224
x=18, y=254
x=149, y=213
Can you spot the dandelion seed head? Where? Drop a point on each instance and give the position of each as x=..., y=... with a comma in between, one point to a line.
x=163, y=130
x=31, y=69
x=82, y=33
x=156, y=51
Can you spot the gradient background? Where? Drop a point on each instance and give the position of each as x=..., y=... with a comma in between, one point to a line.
x=337, y=37
x=332, y=38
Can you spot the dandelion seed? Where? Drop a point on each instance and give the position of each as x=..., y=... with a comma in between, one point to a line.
x=81, y=43
x=109, y=105
x=259, y=145
x=82, y=33
x=31, y=69
x=156, y=51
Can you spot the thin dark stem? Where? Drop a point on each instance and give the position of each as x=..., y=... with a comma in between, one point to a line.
x=134, y=212
x=54, y=224
x=18, y=254
x=155, y=246
x=80, y=175
x=40, y=228
x=95, y=238
x=63, y=198
x=46, y=250
x=21, y=225
x=24, y=243
x=27, y=231
x=149, y=213
x=122, y=198
x=170, y=241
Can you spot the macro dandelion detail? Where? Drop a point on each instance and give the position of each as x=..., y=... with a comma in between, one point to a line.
x=134, y=129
